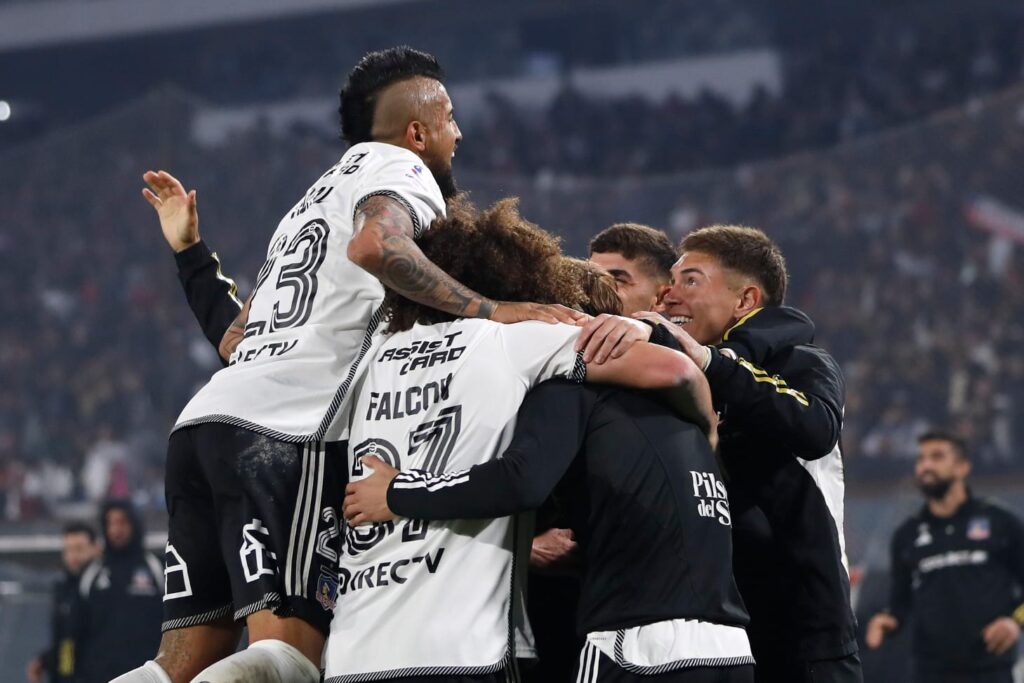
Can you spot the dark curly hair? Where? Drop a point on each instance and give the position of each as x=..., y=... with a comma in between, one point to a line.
x=374, y=72
x=496, y=252
x=600, y=295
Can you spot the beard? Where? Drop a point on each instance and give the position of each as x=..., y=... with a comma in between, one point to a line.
x=935, y=489
x=445, y=181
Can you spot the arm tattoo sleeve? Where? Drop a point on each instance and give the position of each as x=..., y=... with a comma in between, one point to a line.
x=405, y=269
x=235, y=333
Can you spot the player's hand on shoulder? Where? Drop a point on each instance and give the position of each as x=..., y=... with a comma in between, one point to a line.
x=366, y=500
x=1001, y=635
x=521, y=311
x=691, y=347
x=879, y=627
x=179, y=218
x=610, y=336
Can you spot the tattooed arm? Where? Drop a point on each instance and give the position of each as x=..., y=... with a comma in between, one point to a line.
x=235, y=333
x=383, y=246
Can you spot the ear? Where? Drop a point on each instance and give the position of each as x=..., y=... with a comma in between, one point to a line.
x=659, y=298
x=750, y=298
x=964, y=467
x=416, y=136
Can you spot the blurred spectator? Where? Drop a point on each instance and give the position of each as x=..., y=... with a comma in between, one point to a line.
x=924, y=310
x=958, y=568
x=59, y=661
x=122, y=602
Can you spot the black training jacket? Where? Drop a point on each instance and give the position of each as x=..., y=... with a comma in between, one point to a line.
x=956, y=575
x=644, y=498
x=781, y=403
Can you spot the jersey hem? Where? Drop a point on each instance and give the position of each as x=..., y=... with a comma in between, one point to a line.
x=196, y=620
x=420, y=671
x=332, y=409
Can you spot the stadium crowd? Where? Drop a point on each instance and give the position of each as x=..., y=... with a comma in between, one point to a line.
x=924, y=312
x=838, y=89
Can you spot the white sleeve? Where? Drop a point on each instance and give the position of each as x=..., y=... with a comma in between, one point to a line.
x=404, y=178
x=539, y=351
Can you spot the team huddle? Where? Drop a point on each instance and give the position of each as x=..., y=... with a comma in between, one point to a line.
x=412, y=379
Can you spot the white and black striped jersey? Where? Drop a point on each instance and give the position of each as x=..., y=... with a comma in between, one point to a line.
x=417, y=598
x=314, y=312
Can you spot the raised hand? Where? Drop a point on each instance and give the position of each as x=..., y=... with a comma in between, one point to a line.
x=179, y=219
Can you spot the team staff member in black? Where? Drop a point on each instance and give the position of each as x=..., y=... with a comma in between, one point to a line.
x=958, y=567
x=648, y=507
x=58, y=661
x=121, y=599
x=781, y=403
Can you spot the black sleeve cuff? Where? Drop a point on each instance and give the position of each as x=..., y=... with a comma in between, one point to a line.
x=660, y=336
x=193, y=257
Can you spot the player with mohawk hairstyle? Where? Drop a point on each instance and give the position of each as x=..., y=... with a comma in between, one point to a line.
x=251, y=488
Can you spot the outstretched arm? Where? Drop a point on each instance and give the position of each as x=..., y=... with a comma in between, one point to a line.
x=211, y=296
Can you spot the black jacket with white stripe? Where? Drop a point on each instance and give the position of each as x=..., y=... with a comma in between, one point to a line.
x=781, y=401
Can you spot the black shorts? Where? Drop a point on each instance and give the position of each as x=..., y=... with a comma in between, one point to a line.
x=253, y=525
x=596, y=667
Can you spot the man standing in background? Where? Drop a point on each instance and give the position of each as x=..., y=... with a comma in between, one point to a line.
x=121, y=593
x=958, y=567
x=57, y=662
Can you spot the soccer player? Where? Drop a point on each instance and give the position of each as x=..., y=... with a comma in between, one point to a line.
x=441, y=600
x=640, y=259
x=251, y=488
x=649, y=507
x=781, y=404
x=958, y=568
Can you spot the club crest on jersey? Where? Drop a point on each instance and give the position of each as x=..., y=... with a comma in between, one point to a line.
x=142, y=583
x=979, y=529
x=327, y=589
x=924, y=536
